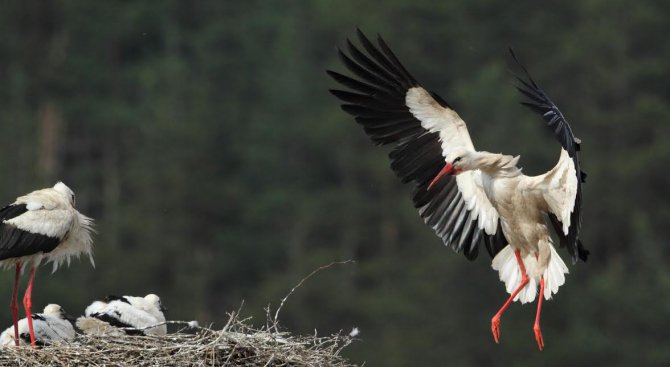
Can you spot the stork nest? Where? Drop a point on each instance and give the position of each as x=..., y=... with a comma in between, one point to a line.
x=237, y=344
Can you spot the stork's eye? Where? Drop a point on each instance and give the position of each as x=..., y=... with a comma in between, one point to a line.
x=457, y=159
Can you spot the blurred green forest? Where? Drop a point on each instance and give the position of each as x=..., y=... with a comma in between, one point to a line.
x=202, y=138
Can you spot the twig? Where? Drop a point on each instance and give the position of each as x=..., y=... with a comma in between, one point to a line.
x=281, y=304
x=191, y=324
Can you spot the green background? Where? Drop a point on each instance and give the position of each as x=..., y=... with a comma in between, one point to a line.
x=201, y=137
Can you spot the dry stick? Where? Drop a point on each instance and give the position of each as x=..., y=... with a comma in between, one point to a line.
x=281, y=304
x=239, y=345
x=191, y=324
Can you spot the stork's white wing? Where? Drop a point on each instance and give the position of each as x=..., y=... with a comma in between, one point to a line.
x=23, y=233
x=46, y=213
x=122, y=314
x=48, y=329
x=52, y=329
x=95, y=307
x=394, y=108
x=436, y=118
x=560, y=190
x=454, y=136
x=563, y=184
x=53, y=223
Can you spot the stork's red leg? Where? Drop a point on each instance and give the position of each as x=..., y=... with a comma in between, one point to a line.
x=14, y=304
x=536, y=327
x=28, y=303
x=495, y=321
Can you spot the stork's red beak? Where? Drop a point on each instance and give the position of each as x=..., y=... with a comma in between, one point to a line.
x=448, y=169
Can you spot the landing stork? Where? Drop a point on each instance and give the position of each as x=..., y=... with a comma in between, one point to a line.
x=42, y=225
x=469, y=196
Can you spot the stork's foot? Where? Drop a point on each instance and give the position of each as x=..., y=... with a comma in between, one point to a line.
x=538, y=337
x=495, y=328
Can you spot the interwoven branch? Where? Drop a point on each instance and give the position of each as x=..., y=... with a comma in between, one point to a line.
x=237, y=344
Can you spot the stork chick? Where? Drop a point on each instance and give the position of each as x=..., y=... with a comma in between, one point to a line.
x=50, y=326
x=133, y=315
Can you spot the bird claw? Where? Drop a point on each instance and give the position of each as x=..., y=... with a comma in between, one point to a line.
x=538, y=337
x=495, y=328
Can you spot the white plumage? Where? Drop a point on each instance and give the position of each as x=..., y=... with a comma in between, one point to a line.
x=50, y=213
x=116, y=313
x=42, y=226
x=151, y=304
x=50, y=326
x=469, y=196
x=554, y=274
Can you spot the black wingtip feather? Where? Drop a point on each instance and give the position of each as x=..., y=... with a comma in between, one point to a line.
x=539, y=102
x=376, y=98
x=394, y=60
x=471, y=251
x=511, y=51
x=583, y=252
x=113, y=297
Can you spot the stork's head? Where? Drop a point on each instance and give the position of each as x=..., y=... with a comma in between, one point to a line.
x=468, y=160
x=57, y=311
x=461, y=160
x=155, y=301
x=457, y=161
x=65, y=191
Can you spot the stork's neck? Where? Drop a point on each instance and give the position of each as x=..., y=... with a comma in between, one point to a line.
x=498, y=165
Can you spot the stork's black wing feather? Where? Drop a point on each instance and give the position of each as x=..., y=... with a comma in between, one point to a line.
x=376, y=99
x=112, y=297
x=115, y=321
x=15, y=242
x=540, y=102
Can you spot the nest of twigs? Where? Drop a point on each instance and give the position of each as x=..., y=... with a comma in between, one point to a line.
x=237, y=344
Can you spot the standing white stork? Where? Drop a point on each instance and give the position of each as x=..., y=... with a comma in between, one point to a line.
x=42, y=225
x=52, y=325
x=466, y=195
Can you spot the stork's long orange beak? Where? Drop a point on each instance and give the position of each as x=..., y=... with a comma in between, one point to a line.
x=446, y=170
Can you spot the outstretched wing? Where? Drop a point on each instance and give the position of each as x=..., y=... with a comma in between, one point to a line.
x=563, y=184
x=395, y=109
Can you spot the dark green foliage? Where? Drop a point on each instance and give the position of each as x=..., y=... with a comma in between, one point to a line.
x=202, y=138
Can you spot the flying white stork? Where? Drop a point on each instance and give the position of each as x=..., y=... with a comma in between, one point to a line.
x=469, y=196
x=42, y=225
x=135, y=315
x=52, y=325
